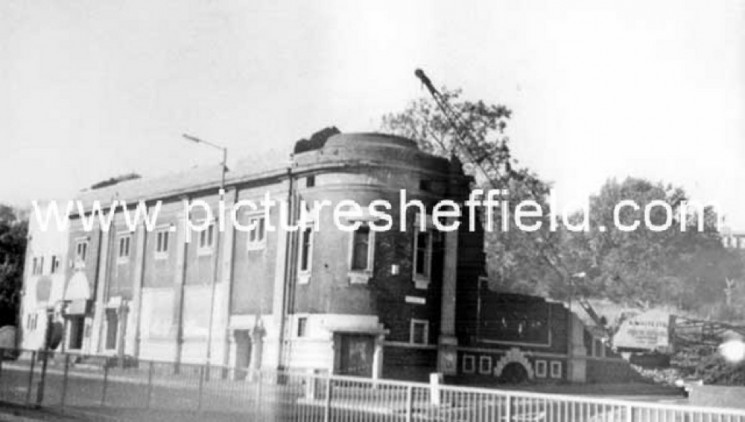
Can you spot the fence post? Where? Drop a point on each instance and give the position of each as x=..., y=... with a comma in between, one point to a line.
x=327, y=402
x=105, y=382
x=149, y=384
x=409, y=403
x=30, y=377
x=40, y=387
x=629, y=413
x=508, y=408
x=259, y=386
x=201, y=387
x=64, y=380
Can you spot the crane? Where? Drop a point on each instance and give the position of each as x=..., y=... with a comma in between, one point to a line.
x=464, y=144
x=463, y=135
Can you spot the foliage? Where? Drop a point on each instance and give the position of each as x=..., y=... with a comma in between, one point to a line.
x=13, y=232
x=686, y=268
x=517, y=259
x=680, y=265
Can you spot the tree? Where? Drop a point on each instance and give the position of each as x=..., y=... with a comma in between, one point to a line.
x=642, y=267
x=680, y=265
x=13, y=232
x=517, y=260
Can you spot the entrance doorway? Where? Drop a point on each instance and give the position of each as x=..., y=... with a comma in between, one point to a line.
x=243, y=350
x=354, y=354
x=77, y=329
x=112, y=328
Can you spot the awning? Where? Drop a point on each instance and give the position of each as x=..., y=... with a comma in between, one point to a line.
x=78, y=287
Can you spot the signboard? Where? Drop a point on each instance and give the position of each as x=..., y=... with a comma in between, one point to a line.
x=649, y=331
x=77, y=307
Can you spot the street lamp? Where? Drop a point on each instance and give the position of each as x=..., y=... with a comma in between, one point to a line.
x=216, y=248
x=221, y=148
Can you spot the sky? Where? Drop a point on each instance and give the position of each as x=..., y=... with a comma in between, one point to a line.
x=598, y=89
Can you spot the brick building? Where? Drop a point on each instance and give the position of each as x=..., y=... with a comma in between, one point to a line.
x=393, y=303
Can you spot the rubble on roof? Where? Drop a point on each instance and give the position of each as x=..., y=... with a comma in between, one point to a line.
x=316, y=141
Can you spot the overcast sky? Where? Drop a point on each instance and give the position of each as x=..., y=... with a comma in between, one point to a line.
x=92, y=89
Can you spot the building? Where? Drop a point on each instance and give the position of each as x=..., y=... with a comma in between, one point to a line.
x=44, y=283
x=396, y=303
x=732, y=239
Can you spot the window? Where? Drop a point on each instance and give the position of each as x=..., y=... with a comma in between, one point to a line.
x=541, y=368
x=123, y=255
x=37, y=266
x=361, y=249
x=302, y=326
x=423, y=254
x=306, y=254
x=206, y=240
x=422, y=257
x=161, y=244
x=419, y=331
x=469, y=364
x=257, y=234
x=485, y=365
x=55, y=264
x=599, y=348
x=81, y=250
x=555, y=369
x=310, y=181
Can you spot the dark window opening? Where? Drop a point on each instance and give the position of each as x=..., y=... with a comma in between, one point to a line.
x=124, y=247
x=302, y=326
x=55, y=264
x=206, y=237
x=419, y=332
x=305, y=246
x=422, y=253
x=361, y=248
x=161, y=245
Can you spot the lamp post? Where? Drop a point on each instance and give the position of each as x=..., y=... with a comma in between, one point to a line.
x=216, y=248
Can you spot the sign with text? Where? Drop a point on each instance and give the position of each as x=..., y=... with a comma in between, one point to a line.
x=649, y=331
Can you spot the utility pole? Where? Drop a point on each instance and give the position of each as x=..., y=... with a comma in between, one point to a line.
x=216, y=246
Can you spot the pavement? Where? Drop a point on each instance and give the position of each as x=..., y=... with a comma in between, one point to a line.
x=16, y=413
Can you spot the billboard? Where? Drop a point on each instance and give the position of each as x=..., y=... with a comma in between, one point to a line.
x=648, y=331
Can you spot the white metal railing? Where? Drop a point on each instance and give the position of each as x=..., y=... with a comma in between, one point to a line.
x=219, y=391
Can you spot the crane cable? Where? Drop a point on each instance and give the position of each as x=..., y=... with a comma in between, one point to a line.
x=457, y=123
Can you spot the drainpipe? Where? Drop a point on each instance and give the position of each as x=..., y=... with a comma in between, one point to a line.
x=288, y=268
